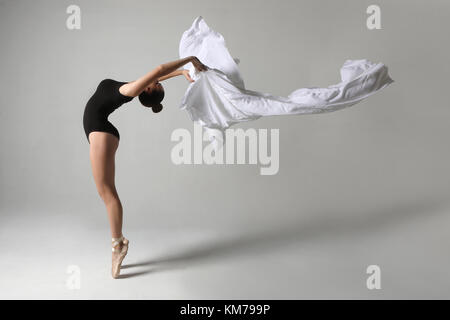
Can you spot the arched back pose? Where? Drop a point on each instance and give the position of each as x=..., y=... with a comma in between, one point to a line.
x=103, y=137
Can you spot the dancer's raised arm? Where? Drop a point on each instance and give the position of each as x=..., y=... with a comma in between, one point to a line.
x=134, y=88
x=175, y=73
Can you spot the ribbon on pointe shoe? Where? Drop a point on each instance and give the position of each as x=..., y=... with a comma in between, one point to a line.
x=115, y=242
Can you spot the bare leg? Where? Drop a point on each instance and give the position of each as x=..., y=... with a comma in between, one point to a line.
x=102, y=153
x=103, y=148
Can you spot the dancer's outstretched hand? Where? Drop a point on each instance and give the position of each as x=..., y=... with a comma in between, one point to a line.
x=187, y=75
x=198, y=65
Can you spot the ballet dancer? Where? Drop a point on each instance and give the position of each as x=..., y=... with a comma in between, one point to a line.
x=104, y=138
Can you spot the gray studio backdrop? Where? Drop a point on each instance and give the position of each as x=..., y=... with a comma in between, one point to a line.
x=358, y=172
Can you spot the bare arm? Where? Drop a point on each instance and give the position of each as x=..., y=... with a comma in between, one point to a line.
x=134, y=88
x=175, y=73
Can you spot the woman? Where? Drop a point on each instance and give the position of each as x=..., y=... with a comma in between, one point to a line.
x=103, y=137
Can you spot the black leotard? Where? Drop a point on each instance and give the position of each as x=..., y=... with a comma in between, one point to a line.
x=103, y=102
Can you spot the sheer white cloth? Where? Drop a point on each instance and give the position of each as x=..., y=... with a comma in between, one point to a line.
x=218, y=97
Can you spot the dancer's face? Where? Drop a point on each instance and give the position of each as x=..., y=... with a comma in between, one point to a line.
x=154, y=86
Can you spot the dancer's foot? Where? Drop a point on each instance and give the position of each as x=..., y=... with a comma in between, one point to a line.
x=119, y=251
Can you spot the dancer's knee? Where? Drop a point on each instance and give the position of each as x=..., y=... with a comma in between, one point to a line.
x=107, y=193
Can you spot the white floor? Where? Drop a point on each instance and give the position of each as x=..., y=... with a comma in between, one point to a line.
x=324, y=258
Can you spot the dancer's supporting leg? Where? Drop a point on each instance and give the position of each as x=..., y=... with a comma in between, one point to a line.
x=103, y=148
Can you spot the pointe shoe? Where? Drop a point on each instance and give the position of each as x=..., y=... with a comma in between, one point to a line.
x=118, y=254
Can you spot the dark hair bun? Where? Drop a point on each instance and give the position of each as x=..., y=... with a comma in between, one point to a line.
x=157, y=108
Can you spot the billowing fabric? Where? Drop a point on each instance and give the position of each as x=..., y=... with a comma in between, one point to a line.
x=218, y=97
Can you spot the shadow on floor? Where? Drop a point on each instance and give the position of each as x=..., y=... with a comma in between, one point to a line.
x=332, y=226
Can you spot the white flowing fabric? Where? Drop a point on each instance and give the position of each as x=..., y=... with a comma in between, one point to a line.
x=218, y=97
